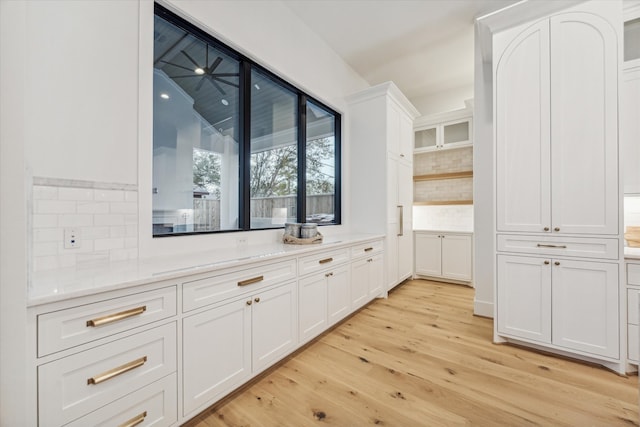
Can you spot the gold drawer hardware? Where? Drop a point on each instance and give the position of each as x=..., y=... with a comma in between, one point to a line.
x=546, y=229
x=115, y=317
x=557, y=263
x=249, y=302
x=556, y=229
x=257, y=299
x=546, y=262
x=370, y=260
x=251, y=281
x=326, y=260
x=368, y=249
x=328, y=275
x=135, y=420
x=540, y=245
x=117, y=371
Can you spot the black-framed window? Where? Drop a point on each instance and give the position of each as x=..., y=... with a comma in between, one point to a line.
x=235, y=147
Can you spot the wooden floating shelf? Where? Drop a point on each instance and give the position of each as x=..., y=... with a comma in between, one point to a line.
x=443, y=202
x=439, y=176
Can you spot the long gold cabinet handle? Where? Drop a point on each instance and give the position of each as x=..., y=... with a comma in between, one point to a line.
x=369, y=249
x=540, y=245
x=251, y=281
x=135, y=420
x=104, y=320
x=117, y=371
x=324, y=261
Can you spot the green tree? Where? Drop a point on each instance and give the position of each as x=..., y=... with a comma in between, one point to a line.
x=206, y=171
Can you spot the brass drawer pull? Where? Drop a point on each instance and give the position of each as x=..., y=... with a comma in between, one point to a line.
x=326, y=260
x=104, y=320
x=135, y=420
x=251, y=281
x=328, y=274
x=540, y=245
x=117, y=371
x=368, y=249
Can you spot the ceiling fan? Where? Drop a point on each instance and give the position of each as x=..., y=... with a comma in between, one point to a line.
x=206, y=72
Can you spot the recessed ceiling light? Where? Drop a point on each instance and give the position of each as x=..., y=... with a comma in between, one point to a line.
x=256, y=86
x=199, y=71
x=224, y=102
x=164, y=96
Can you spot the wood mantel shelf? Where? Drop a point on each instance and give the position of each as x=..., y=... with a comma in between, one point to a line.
x=446, y=175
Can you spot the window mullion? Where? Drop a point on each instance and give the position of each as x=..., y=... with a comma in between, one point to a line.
x=302, y=158
x=244, y=216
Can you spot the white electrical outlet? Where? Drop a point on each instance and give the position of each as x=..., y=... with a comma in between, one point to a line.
x=71, y=238
x=242, y=241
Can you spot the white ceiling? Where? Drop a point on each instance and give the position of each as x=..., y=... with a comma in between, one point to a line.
x=423, y=46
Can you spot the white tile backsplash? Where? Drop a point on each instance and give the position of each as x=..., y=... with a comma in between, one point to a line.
x=447, y=217
x=105, y=214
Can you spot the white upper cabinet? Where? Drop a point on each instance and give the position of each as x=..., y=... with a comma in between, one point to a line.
x=556, y=128
x=451, y=130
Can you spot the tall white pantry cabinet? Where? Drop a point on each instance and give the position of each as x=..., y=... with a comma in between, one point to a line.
x=557, y=183
x=381, y=167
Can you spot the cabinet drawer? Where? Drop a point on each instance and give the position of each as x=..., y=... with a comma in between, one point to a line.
x=209, y=290
x=559, y=246
x=365, y=249
x=632, y=306
x=71, y=327
x=633, y=274
x=317, y=262
x=155, y=404
x=632, y=342
x=72, y=387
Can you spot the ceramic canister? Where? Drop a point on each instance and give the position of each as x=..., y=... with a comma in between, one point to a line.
x=292, y=229
x=308, y=230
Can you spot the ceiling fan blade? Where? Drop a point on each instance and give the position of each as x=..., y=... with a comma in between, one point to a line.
x=216, y=85
x=177, y=65
x=199, y=85
x=215, y=64
x=225, y=75
x=225, y=81
x=193, y=61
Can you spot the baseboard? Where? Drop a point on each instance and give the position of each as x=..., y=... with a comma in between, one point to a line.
x=483, y=308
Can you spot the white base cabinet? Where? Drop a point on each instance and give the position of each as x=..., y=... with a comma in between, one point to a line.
x=444, y=255
x=633, y=319
x=581, y=297
x=160, y=352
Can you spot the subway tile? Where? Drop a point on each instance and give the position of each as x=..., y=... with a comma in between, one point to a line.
x=123, y=207
x=45, y=249
x=93, y=207
x=118, y=231
x=109, y=195
x=123, y=254
x=107, y=244
x=53, y=234
x=66, y=193
x=131, y=242
x=43, y=263
x=92, y=259
x=44, y=220
x=79, y=220
x=131, y=196
x=54, y=207
x=108, y=219
x=45, y=193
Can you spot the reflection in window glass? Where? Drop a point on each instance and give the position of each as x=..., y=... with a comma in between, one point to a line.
x=195, y=134
x=274, y=153
x=321, y=165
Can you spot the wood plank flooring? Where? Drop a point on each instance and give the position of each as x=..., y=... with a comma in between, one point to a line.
x=420, y=358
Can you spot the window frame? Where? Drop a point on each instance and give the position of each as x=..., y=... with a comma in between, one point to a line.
x=244, y=138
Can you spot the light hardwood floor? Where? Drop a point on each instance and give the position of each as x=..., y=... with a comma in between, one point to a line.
x=420, y=358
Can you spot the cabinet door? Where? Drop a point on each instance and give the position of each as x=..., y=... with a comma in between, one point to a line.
x=585, y=306
x=426, y=139
x=393, y=129
x=313, y=305
x=216, y=355
x=406, y=137
x=405, y=240
x=523, y=133
x=392, y=250
x=456, y=257
x=375, y=275
x=524, y=297
x=428, y=254
x=360, y=283
x=338, y=295
x=274, y=325
x=584, y=102
x=630, y=129
x=456, y=133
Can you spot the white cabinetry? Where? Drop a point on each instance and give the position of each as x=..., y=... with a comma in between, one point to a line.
x=579, y=296
x=633, y=319
x=98, y=352
x=630, y=129
x=443, y=255
x=557, y=185
x=443, y=131
x=556, y=128
x=381, y=137
x=324, y=297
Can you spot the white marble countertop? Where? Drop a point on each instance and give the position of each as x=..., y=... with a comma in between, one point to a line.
x=459, y=229
x=631, y=253
x=57, y=285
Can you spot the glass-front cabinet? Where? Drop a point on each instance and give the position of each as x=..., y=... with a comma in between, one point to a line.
x=443, y=135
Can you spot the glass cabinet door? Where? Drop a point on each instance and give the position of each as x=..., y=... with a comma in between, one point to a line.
x=632, y=40
x=426, y=138
x=455, y=132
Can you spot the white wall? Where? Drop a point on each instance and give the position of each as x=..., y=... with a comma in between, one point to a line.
x=76, y=83
x=446, y=100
